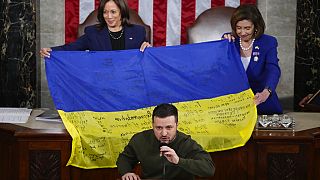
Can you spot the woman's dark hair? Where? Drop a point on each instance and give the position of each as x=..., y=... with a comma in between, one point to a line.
x=124, y=10
x=165, y=110
x=248, y=12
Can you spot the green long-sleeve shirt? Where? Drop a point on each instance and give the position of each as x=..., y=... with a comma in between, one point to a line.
x=144, y=148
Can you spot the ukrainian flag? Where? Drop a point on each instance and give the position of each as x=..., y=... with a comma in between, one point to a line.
x=106, y=97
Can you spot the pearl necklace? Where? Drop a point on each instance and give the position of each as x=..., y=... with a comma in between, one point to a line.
x=113, y=37
x=250, y=46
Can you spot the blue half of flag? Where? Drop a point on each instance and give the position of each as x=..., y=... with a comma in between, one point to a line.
x=106, y=81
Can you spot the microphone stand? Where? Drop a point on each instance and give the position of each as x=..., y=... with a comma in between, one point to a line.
x=164, y=168
x=163, y=159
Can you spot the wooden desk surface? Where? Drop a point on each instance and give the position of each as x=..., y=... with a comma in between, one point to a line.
x=304, y=121
x=307, y=127
x=35, y=124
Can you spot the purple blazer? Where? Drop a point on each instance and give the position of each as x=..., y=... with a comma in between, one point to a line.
x=99, y=40
x=264, y=71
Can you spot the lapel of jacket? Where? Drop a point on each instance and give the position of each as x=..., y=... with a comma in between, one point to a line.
x=104, y=40
x=129, y=39
x=255, y=56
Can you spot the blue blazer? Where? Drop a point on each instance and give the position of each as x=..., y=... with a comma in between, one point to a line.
x=264, y=71
x=99, y=40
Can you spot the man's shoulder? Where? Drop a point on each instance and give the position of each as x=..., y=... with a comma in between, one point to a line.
x=186, y=141
x=145, y=133
x=184, y=137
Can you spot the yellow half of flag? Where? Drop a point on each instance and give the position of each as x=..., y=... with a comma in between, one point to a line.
x=217, y=124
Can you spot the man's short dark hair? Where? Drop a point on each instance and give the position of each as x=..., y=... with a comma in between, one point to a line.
x=165, y=110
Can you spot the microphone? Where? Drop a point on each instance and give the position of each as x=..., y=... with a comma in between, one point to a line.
x=163, y=144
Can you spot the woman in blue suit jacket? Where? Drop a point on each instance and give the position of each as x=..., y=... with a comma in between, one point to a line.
x=114, y=32
x=259, y=57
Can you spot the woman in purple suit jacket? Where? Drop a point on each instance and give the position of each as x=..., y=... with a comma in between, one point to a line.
x=258, y=55
x=114, y=32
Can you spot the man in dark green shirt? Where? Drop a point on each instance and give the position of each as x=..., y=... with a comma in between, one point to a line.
x=164, y=152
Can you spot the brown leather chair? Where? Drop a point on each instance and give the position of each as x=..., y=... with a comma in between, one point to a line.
x=134, y=19
x=210, y=25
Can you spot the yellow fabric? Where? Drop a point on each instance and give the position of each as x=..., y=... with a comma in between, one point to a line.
x=217, y=124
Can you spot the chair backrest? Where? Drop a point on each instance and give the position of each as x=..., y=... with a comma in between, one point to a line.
x=134, y=19
x=210, y=25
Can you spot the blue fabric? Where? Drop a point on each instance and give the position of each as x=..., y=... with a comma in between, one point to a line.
x=99, y=40
x=129, y=79
x=264, y=72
